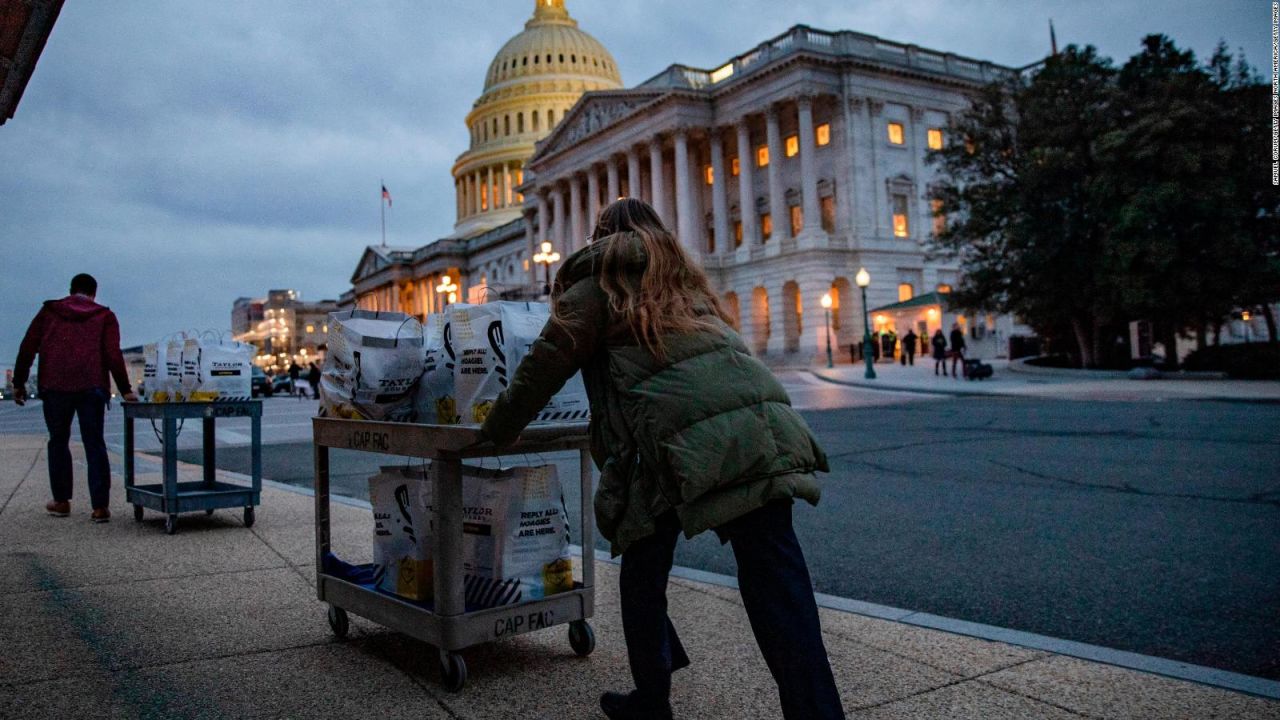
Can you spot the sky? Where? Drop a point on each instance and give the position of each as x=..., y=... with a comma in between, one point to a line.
x=187, y=153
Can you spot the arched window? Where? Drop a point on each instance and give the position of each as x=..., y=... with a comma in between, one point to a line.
x=520, y=122
x=573, y=59
x=535, y=59
x=561, y=57
x=525, y=61
x=506, y=124
x=548, y=58
x=535, y=120
x=551, y=119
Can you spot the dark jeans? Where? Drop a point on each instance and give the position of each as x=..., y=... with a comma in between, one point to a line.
x=776, y=592
x=90, y=406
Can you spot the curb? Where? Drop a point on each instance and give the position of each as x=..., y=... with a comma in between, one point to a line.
x=872, y=385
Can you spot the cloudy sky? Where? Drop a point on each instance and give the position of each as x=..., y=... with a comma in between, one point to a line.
x=187, y=152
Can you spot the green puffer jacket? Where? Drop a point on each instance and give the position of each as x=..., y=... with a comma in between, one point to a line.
x=709, y=431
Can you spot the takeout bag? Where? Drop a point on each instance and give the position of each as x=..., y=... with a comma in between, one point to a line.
x=436, y=401
x=216, y=368
x=401, y=532
x=373, y=366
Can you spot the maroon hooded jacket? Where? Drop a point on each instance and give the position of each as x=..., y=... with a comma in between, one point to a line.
x=78, y=341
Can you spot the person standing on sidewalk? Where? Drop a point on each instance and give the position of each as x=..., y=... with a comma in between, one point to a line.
x=78, y=342
x=909, y=347
x=691, y=434
x=939, y=343
x=957, y=349
x=313, y=379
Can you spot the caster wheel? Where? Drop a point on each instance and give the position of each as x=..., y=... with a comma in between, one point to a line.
x=137, y=513
x=339, y=622
x=209, y=511
x=171, y=524
x=248, y=517
x=453, y=670
x=581, y=638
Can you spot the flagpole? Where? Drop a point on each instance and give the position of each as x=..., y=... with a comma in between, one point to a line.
x=382, y=207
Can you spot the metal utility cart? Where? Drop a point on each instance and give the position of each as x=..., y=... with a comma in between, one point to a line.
x=208, y=494
x=448, y=626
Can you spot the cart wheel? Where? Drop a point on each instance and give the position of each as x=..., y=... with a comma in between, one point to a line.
x=581, y=638
x=453, y=670
x=248, y=517
x=338, y=622
x=137, y=513
x=171, y=524
x=209, y=511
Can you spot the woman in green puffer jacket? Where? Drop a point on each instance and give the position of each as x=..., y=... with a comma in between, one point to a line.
x=690, y=433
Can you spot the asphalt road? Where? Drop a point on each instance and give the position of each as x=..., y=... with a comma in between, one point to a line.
x=1150, y=527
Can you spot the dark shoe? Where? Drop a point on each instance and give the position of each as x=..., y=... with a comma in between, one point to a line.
x=101, y=515
x=617, y=706
x=58, y=508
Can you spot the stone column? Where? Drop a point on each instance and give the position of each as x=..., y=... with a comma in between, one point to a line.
x=633, y=172
x=506, y=184
x=593, y=197
x=920, y=212
x=720, y=195
x=457, y=198
x=613, y=186
x=686, y=222
x=777, y=192
x=879, y=203
x=746, y=193
x=531, y=246
x=477, y=208
x=810, y=206
x=575, y=241
x=544, y=219
x=657, y=188
x=557, y=223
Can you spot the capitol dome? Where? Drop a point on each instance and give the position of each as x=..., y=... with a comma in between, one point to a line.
x=530, y=85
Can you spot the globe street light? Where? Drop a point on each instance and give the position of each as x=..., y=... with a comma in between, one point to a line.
x=826, y=314
x=863, y=279
x=545, y=258
x=449, y=289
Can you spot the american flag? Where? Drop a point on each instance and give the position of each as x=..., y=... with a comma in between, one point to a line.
x=386, y=195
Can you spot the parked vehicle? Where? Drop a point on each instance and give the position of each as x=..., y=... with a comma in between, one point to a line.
x=282, y=384
x=261, y=383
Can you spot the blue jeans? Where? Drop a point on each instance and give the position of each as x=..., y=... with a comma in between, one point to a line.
x=776, y=592
x=90, y=406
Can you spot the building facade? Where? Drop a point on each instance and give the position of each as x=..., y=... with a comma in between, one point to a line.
x=783, y=171
x=284, y=328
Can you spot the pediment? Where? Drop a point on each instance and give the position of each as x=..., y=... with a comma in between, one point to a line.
x=594, y=112
x=370, y=263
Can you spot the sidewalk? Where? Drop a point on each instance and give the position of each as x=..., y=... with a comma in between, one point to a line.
x=121, y=620
x=1048, y=384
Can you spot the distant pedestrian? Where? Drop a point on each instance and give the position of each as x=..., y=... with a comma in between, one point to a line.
x=295, y=372
x=78, y=342
x=957, y=348
x=939, y=344
x=909, y=347
x=313, y=379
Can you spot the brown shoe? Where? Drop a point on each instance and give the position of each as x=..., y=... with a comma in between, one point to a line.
x=101, y=515
x=58, y=508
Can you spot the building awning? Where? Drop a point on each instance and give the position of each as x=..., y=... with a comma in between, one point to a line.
x=919, y=301
x=24, y=27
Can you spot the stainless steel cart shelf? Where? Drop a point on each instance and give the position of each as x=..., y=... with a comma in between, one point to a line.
x=172, y=497
x=448, y=625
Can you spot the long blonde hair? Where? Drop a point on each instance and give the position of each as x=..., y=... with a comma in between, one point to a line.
x=673, y=296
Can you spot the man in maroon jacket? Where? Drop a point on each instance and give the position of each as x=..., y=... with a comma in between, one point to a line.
x=78, y=341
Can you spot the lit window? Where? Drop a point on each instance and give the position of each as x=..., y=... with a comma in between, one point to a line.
x=311, y=328
x=944, y=288
x=484, y=197
x=823, y=133
x=905, y=292
x=526, y=264
x=734, y=167
x=797, y=220
x=737, y=233
x=722, y=73
x=895, y=133
x=762, y=155
x=793, y=145
x=939, y=220
x=710, y=174
x=828, y=205
x=324, y=328
x=766, y=226
x=900, y=228
x=935, y=139
x=969, y=147
x=519, y=176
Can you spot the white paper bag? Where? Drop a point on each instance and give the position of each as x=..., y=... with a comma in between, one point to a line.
x=490, y=340
x=373, y=366
x=436, y=401
x=168, y=386
x=216, y=369
x=154, y=373
x=402, y=532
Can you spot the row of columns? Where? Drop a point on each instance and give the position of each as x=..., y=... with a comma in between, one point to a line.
x=489, y=188
x=687, y=215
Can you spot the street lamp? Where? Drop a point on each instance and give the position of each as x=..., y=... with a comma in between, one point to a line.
x=826, y=314
x=448, y=286
x=545, y=258
x=1244, y=316
x=863, y=279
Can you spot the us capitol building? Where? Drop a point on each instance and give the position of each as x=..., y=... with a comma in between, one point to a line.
x=784, y=170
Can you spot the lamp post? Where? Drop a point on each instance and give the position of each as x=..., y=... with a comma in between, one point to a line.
x=449, y=289
x=545, y=258
x=826, y=314
x=863, y=279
